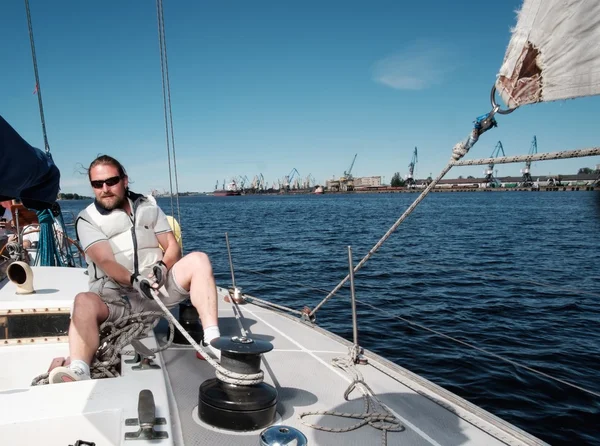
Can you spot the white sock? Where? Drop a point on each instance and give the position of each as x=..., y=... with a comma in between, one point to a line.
x=81, y=366
x=211, y=333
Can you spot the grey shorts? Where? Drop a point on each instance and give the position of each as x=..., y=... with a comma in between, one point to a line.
x=171, y=294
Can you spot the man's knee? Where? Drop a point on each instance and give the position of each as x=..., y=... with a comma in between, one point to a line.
x=89, y=306
x=200, y=261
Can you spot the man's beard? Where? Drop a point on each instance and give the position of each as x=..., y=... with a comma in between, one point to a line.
x=112, y=202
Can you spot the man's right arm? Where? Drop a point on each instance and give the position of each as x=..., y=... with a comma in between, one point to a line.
x=97, y=247
x=102, y=255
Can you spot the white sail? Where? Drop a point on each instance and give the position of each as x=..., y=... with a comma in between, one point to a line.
x=553, y=54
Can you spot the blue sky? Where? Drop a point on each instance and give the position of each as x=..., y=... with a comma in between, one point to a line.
x=266, y=86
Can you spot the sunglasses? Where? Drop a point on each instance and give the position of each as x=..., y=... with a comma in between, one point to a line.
x=99, y=184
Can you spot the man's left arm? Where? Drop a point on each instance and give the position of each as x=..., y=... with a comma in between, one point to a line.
x=172, y=250
x=166, y=239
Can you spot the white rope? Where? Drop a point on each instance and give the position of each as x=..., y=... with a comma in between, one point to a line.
x=375, y=413
x=116, y=335
x=563, y=154
x=222, y=373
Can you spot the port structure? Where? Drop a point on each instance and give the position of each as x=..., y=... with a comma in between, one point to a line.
x=289, y=178
x=409, y=179
x=490, y=179
x=526, y=171
x=347, y=180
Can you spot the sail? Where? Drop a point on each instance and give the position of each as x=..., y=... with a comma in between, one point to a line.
x=26, y=173
x=553, y=54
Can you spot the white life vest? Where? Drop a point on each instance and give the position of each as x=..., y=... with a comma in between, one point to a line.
x=127, y=235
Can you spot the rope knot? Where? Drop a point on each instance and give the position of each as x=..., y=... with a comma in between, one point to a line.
x=45, y=216
x=459, y=150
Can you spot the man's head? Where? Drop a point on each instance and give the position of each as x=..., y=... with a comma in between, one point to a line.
x=109, y=182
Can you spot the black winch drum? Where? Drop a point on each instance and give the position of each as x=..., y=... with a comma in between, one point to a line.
x=237, y=408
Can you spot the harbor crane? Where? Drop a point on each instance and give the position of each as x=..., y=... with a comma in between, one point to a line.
x=527, y=180
x=409, y=179
x=490, y=180
x=288, y=178
x=346, y=181
x=348, y=174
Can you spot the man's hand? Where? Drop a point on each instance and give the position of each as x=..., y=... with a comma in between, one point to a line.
x=159, y=273
x=143, y=285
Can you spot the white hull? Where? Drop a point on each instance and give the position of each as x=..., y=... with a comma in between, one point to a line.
x=299, y=367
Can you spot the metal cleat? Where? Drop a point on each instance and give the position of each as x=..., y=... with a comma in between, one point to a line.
x=143, y=357
x=146, y=420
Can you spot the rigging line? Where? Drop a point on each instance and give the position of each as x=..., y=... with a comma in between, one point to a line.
x=386, y=235
x=162, y=74
x=38, y=87
x=264, y=303
x=309, y=287
x=563, y=154
x=168, y=82
x=238, y=316
x=481, y=125
x=440, y=265
x=510, y=361
x=509, y=279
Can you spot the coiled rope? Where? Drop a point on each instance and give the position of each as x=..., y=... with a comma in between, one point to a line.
x=49, y=253
x=114, y=336
x=375, y=413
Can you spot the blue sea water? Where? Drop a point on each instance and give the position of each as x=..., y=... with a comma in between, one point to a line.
x=514, y=273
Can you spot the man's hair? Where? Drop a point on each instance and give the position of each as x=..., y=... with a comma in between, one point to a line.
x=106, y=159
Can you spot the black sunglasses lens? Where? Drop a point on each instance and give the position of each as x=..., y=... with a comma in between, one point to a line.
x=98, y=184
x=112, y=181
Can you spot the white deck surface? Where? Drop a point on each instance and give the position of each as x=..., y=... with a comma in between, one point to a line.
x=54, y=288
x=299, y=367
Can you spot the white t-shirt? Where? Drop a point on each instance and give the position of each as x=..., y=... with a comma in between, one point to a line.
x=32, y=234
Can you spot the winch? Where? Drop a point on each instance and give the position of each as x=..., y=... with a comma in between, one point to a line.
x=232, y=406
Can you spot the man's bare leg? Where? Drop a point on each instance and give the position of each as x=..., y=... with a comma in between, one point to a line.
x=88, y=313
x=194, y=273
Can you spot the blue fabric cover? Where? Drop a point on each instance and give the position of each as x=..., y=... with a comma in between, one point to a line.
x=26, y=173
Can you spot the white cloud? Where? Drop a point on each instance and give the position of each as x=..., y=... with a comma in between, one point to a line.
x=418, y=66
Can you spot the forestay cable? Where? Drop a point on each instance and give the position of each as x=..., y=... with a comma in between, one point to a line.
x=168, y=114
x=482, y=124
x=38, y=87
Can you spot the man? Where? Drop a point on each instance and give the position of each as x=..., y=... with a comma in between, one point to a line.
x=6, y=217
x=122, y=234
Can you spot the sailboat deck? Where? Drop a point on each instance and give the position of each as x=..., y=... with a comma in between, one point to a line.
x=299, y=367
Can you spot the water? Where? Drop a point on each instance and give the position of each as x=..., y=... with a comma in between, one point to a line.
x=513, y=273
